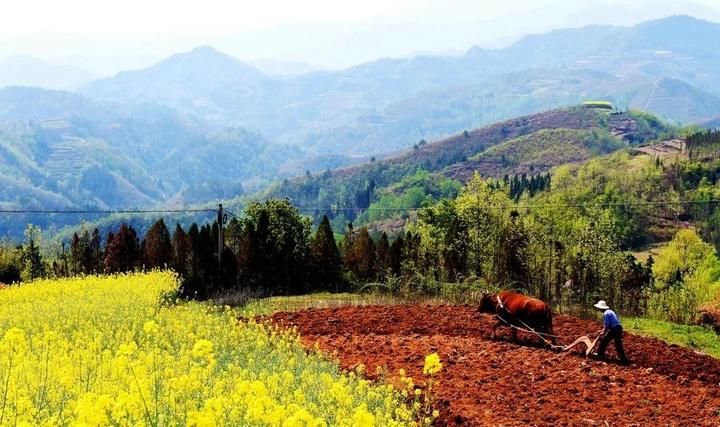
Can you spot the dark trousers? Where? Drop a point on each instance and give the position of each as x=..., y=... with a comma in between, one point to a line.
x=616, y=334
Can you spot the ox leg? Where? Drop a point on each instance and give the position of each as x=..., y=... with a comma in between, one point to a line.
x=495, y=326
x=552, y=340
x=514, y=334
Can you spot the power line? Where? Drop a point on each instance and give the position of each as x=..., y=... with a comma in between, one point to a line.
x=536, y=206
x=331, y=209
x=102, y=212
x=231, y=214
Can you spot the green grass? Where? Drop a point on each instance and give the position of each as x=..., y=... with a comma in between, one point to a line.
x=698, y=338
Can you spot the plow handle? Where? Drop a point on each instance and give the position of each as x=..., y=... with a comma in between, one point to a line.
x=590, y=344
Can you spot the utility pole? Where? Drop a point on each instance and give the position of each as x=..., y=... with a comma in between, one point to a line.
x=221, y=235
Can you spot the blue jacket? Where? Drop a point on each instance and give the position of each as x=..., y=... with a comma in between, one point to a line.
x=611, y=319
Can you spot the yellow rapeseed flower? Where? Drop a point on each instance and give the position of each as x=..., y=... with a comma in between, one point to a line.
x=432, y=364
x=99, y=351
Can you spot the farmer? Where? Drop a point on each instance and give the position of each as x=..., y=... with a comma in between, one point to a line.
x=612, y=330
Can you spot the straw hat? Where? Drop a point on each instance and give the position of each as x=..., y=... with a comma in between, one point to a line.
x=602, y=305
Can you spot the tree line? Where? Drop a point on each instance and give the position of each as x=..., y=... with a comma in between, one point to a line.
x=478, y=238
x=703, y=145
x=569, y=243
x=271, y=250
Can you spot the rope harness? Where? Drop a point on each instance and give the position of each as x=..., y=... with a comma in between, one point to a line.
x=583, y=339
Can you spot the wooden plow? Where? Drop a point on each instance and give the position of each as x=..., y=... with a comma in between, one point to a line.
x=590, y=344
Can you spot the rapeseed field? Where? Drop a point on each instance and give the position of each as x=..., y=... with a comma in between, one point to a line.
x=120, y=350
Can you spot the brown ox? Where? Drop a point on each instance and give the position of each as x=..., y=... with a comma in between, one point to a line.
x=518, y=310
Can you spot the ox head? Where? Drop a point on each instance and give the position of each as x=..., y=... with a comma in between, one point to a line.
x=488, y=304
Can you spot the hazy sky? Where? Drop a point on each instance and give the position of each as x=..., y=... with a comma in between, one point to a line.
x=106, y=36
x=169, y=18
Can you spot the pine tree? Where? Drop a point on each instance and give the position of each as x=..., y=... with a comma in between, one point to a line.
x=395, y=256
x=360, y=258
x=265, y=253
x=228, y=276
x=348, y=239
x=78, y=248
x=96, y=253
x=382, y=256
x=248, y=258
x=34, y=266
x=123, y=250
x=157, y=248
x=194, y=275
x=180, y=251
x=325, y=258
x=207, y=257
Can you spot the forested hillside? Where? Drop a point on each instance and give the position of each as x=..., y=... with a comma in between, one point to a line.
x=525, y=148
x=571, y=236
x=62, y=151
x=527, y=145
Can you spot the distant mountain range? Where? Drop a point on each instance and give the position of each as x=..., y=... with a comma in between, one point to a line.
x=275, y=67
x=28, y=71
x=201, y=126
x=665, y=66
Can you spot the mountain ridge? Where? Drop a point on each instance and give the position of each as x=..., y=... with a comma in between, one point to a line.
x=309, y=109
x=22, y=70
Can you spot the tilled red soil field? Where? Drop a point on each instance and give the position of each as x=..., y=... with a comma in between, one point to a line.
x=496, y=382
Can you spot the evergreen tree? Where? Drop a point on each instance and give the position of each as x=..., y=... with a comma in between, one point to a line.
x=265, y=252
x=347, y=239
x=157, y=248
x=123, y=250
x=228, y=276
x=360, y=258
x=248, y=258
x=180, y=251
x=60, y=266
x=233, y=235
x=325, y=258
x=95, y=265
x=79, y=247
x=85, y=255
x=194, y=275
x=395, y=256
x=382, y=256
x=34, y=266
x=207, y=257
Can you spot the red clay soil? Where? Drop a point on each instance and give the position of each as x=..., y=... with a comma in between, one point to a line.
x=497, y=382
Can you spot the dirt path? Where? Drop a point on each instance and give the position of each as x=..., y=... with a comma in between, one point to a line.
x=496, y=382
